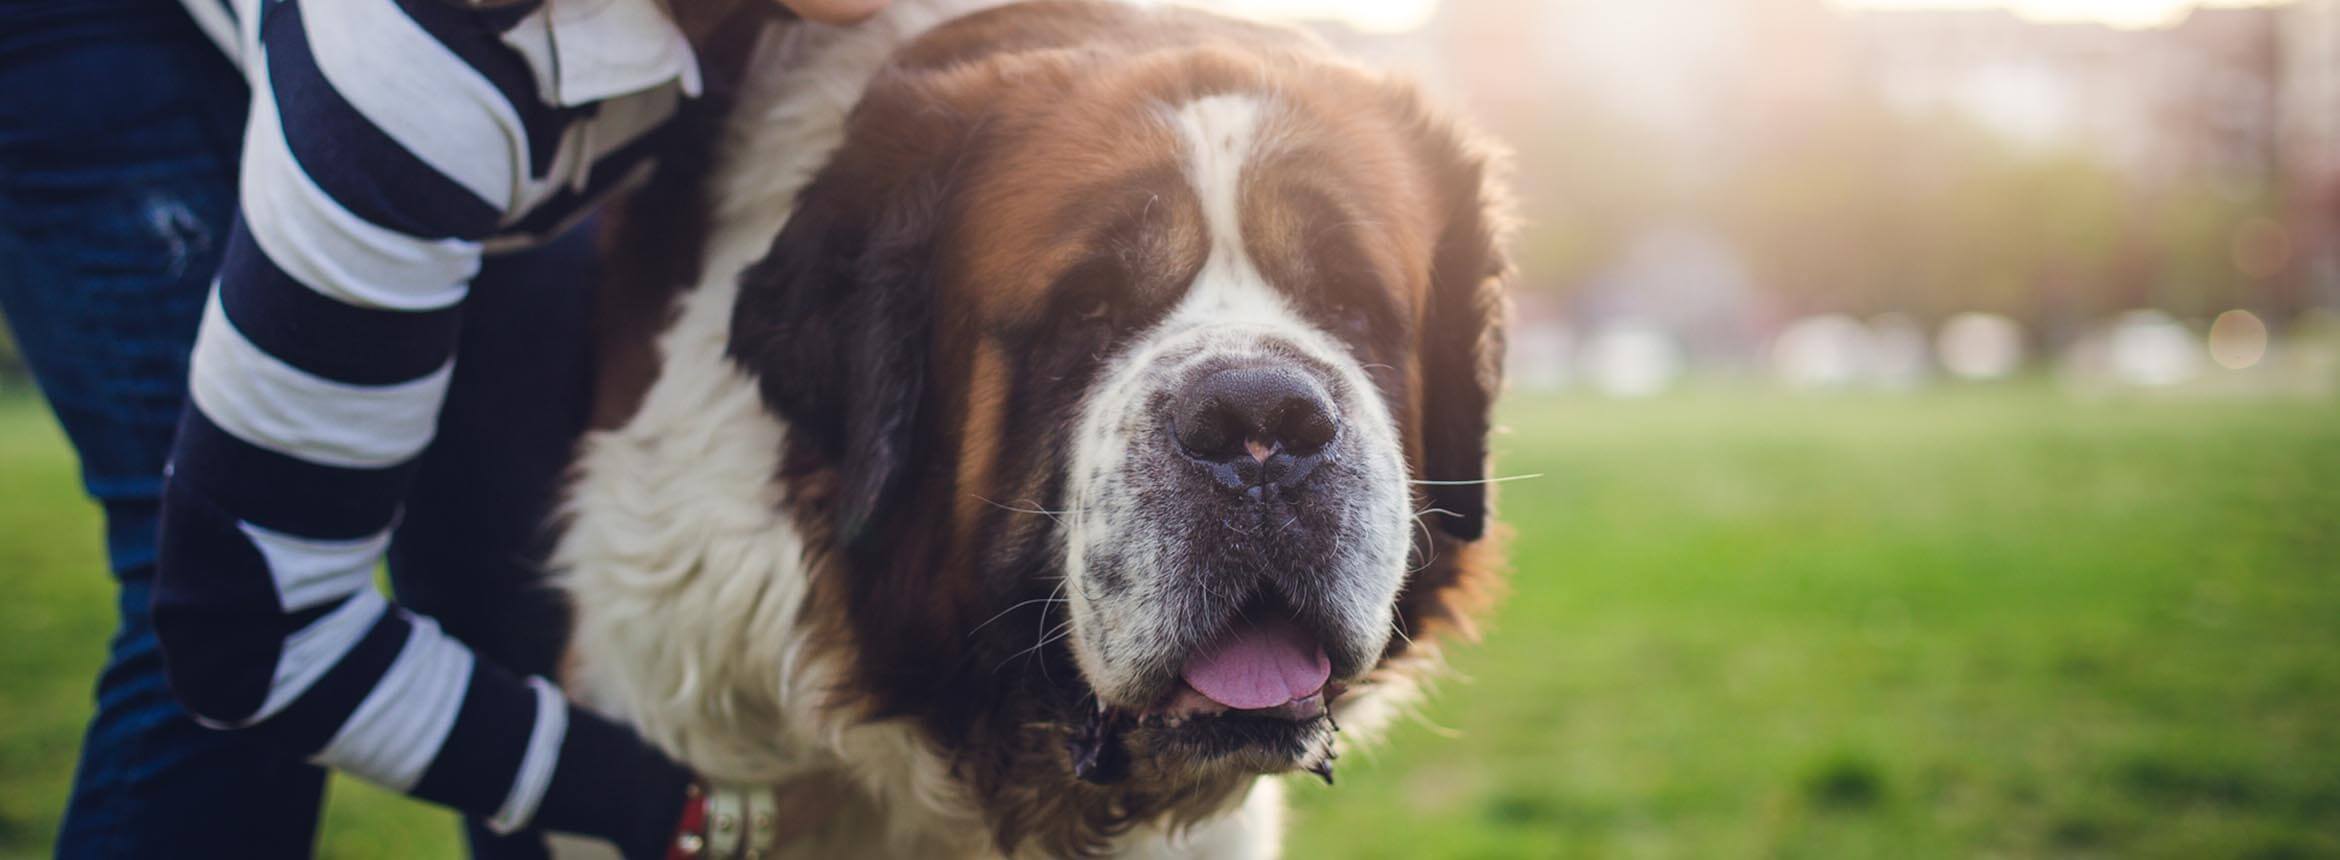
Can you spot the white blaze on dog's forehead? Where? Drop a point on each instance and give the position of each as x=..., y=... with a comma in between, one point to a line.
x=1220, y=136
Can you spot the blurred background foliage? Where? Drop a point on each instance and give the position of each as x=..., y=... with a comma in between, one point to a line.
x=1709, y=173
x=1872, y=212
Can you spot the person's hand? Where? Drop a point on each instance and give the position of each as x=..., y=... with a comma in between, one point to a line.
x=834, y=11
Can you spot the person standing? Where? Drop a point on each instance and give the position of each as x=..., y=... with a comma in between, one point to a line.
x=392, y=364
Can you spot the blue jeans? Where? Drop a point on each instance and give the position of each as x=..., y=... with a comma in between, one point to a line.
x=119, y=135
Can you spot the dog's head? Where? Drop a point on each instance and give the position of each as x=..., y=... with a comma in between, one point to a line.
x=1138, y=367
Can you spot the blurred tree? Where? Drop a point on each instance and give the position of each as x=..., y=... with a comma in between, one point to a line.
x=1858, y=209
x=1585, y=186
x=2193, y=233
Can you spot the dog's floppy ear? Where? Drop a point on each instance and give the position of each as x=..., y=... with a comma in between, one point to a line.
x=835, y=322
x=1461, y=343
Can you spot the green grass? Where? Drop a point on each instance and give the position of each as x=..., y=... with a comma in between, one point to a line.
x=53, y=631
x=1970, y=622
x=1967, y=623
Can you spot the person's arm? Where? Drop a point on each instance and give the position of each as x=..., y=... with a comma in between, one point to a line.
x=317, y=378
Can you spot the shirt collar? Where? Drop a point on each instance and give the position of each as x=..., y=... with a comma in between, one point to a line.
x=584, y=51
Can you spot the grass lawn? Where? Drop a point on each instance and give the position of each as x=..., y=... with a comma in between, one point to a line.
x=1969, y=622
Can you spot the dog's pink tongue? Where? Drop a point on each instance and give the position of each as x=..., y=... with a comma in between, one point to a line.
x=1260, y=666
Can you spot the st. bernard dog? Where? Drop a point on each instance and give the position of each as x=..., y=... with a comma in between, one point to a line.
x=1079, y=420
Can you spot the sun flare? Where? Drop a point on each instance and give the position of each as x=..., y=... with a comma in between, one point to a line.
x=2119, y=13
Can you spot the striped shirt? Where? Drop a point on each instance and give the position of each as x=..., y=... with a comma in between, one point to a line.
x=391, y=144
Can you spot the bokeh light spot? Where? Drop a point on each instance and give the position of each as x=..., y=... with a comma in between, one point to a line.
x=1980, y=346
x=2238, y=339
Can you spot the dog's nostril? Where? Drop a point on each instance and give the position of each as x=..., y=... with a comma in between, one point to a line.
x=1258, y=412
x=1304, y=426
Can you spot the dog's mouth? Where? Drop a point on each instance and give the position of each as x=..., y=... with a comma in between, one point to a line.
x=1258, y=697
x=1265, y=666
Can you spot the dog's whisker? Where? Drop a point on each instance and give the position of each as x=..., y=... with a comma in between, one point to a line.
x=1058, y=516
x=1397, y=626
x=1501, y=480
x=1429, y=541
x=1004, y=612
x=1059, y=632
x=1045, y=636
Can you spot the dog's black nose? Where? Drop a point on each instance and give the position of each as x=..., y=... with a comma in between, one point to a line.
x=1261, y=422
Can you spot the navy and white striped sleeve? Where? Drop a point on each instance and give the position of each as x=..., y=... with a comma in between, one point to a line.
x=317, y=376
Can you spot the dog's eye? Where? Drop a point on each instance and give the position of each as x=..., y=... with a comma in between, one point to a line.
x=1092, y=317
x=1093, y=309
x=1090, y=297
